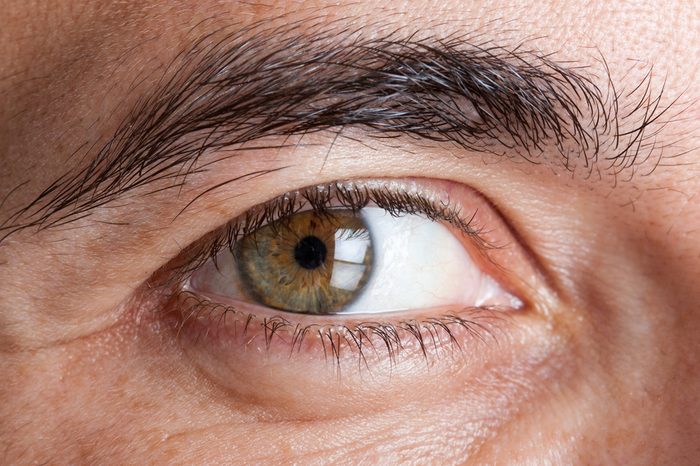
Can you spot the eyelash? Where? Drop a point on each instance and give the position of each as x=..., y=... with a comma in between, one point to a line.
x=428, y=333
x=322, y=199
x=479, y=324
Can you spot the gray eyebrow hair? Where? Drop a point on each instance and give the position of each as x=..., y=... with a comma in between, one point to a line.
x=234, y=88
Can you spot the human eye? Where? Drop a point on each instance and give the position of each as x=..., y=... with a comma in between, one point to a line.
x=380, y=272
x=354, y=248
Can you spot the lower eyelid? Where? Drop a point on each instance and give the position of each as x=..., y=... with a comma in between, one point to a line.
x=430, y=333
x=300, y=366
x=272, y=370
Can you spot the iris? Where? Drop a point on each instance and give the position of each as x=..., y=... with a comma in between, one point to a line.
x=309, y=262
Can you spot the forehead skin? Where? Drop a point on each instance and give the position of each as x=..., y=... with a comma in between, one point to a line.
x=59, y=58
x=71, y=70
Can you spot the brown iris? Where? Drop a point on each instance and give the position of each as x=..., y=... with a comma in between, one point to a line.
x=308, y=262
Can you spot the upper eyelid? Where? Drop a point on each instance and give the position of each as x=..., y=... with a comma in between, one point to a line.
x=354, y=195
x=524, y=97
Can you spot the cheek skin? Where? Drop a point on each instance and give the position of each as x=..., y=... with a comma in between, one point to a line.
x=311, y=383
x=158, y=406
x=637, y=334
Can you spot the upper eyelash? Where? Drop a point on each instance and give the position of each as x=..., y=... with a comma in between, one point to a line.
x=355, y=197
x=322, y=199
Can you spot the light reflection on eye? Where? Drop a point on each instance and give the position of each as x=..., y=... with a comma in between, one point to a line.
x=347, y=261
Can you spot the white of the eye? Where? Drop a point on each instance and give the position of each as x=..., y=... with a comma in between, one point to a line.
x=418, y=264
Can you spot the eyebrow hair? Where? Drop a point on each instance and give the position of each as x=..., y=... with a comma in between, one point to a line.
x=233, y=88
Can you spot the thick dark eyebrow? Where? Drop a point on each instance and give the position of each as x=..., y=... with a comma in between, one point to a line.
x=233, y=88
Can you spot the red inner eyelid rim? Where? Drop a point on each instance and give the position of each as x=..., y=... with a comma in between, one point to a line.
x=502, y=257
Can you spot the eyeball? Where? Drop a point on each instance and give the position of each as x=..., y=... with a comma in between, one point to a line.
x=345, y=261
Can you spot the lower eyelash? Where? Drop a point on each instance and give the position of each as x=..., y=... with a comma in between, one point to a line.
x=434, y=337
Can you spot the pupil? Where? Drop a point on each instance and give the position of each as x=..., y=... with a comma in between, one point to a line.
x=310, y=252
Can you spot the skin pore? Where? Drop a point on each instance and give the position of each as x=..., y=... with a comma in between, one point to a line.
x=601, y=367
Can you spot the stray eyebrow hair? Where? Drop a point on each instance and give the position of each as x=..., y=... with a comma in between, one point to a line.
x=229, y=89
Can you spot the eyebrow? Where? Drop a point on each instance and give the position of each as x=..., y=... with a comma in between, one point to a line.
x=232, y=88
